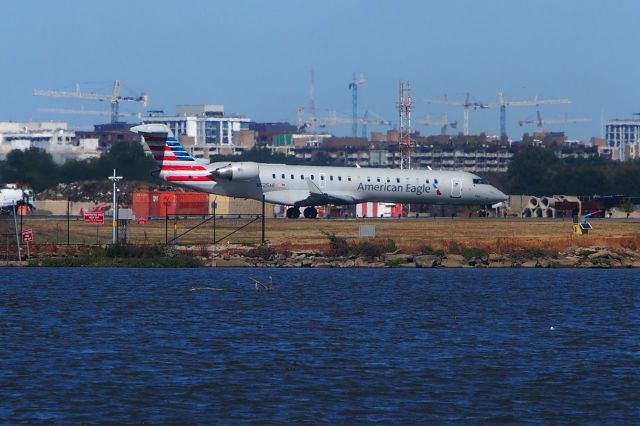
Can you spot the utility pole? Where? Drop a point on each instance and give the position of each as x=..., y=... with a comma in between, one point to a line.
x=15, y=225
x=114, y=207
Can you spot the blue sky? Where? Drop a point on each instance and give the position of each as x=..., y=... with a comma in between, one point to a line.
x=255, y=56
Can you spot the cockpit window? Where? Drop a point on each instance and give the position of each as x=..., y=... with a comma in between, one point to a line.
x=480, y=181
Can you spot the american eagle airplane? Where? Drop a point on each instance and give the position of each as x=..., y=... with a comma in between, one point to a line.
x=310, y=186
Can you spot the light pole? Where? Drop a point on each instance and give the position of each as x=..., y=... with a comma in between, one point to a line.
x=115, y=180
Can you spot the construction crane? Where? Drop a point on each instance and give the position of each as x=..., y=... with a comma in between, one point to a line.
x=83, y=111
x=333, y=120
x=503, y=104
x=540, y=122
x=467, y=104
x=114, y=98
x=443, y=123
x=357, y=81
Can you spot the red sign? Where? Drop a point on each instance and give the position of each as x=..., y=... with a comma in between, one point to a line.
x=27, y=235
x=96, y=218
x=141, y=220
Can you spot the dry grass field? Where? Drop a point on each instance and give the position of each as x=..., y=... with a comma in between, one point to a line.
x=496, y=235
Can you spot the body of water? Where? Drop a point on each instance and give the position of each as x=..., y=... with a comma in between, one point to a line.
x=324, y=346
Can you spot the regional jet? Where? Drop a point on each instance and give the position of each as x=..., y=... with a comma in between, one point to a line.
x=310, y=186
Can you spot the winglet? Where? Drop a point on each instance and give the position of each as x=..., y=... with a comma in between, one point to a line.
x=313, y=188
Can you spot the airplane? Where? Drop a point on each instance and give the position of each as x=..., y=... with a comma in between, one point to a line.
x=311, y=186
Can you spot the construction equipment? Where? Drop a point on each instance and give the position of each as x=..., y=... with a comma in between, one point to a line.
x=83, y=111
x=334, y=120
x=540, y=122
x=443, y=123
x=114, y=98
x=12, y=196
x=503, y=104
x=467, y=104
x=357, y=81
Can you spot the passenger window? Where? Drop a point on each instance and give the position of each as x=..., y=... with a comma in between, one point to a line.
x=311, y=177
x=340, y=178
x=427, y=180
x=302, y=177
x=321, y=177
x=274, y=175
x=291, y=177
x=349, y=178
x=435, y=181
x=283, y=176
x=397, y=180
x=368, y=179
x=330, y=177
x=378, y=179
x=388, y=180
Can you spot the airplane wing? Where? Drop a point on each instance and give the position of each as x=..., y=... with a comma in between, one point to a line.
x=313, y=197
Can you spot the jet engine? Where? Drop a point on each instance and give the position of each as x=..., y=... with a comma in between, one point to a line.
x=237, y=171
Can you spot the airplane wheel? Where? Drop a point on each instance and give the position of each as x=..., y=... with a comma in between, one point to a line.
x=310, y=213
x=293, y=212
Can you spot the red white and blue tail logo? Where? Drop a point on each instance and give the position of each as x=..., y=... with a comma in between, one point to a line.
x=176, y=165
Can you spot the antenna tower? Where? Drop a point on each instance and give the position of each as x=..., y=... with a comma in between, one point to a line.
x=405, y=105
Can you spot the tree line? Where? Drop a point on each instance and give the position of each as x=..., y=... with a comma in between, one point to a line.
x=37, y=168
x=533, y=170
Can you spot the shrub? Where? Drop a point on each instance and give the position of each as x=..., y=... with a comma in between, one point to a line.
x=394, y=263
x=535, y=252
x=430, y=250
x=387, y=246
x=366, y=249
x=338, y=246
x=471, y=252
x=133, y=251
x=261, y=252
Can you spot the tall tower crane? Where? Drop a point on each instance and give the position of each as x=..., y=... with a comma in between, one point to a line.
x=357, y=81
x=466, y=105
x=503, y=104
x=114, y=98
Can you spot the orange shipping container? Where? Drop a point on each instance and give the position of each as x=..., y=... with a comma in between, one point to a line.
x=140, y=204
x=170, y=203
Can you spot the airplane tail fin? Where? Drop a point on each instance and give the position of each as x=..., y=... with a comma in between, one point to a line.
x=176, y=165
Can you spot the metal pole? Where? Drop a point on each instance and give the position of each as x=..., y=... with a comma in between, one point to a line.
x=166, y=222
x=15, y=225
x=114, y=234
x=214, y=219
x=117, y=218
x=68, y=220
x=114, y=208
x=175, y=229
x=262, y=218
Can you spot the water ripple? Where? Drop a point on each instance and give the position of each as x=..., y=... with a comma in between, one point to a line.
x=325, y=346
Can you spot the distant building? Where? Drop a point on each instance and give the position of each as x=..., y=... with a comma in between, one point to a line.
x=205, y=130
x=53, y=137
x=623, y=139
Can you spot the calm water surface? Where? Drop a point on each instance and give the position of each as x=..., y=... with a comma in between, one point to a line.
x=324, y=346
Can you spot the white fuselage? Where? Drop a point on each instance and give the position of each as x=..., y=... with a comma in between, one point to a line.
x=291, y=185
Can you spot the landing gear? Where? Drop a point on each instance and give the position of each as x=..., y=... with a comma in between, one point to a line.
x=293, y=212
x=310, y=213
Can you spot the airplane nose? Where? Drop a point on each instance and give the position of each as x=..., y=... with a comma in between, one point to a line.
x=498, y=195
